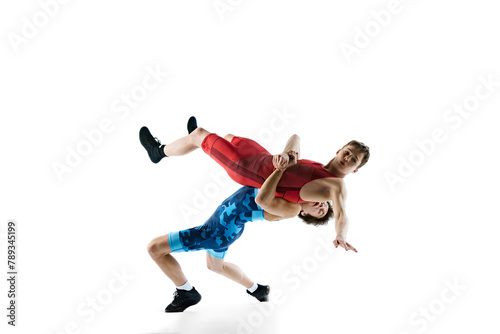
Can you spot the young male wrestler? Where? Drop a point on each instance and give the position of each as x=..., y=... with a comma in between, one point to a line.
x=218, y=233
x=248, y=163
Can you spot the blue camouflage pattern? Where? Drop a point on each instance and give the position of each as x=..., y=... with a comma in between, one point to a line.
x=223, y=228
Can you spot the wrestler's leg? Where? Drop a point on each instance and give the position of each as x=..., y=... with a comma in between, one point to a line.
x=186, y=144
x=229, y=270
x=232, y=271
x=228, y=137
x=159, y=250
x=185, y=295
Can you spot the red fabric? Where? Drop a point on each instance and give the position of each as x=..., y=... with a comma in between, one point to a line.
x=249, y=164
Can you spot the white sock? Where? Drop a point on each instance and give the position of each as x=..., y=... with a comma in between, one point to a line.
x=186, y=286
x=253, y=288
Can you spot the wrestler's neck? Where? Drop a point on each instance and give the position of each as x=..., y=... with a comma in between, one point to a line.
x=332, y=168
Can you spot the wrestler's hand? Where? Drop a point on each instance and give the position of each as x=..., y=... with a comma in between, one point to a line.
x=280, y=161
x=292, y=158
x=339, y=241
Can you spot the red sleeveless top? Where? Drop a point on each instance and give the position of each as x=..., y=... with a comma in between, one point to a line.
x=249, y=164
x=296, y=176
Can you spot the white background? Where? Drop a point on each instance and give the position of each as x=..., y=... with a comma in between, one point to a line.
x=234, y=71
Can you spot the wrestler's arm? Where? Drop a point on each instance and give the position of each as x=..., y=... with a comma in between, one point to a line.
x=281, y=160
x=332, y=189
x=267, y=200
x=338, y=195
x=293, y=144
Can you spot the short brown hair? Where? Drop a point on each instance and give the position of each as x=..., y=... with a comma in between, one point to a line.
x=310, y=220
x=363, y=148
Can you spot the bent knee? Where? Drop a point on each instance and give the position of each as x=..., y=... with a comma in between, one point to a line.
x=153, y=249
x=198, y=135
x=200, y=132
x=156, y=248
x=228, y=137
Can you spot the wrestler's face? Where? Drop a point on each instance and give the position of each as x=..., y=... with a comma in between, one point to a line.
x=348, y=159
x=315, y=209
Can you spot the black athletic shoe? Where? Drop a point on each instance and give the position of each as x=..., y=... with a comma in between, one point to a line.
x=261, y=293
x=183, y=299
x=192, y=124
x=151, y=144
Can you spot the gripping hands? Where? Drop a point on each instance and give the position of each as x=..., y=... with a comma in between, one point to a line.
x=284, y=160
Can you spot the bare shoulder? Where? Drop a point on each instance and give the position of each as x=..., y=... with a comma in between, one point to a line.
x=322, y=189
x=338, y=183
x=316, y=190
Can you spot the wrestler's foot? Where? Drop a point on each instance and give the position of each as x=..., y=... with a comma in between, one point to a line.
x=183, y=299
x=262, y=293
x=152, y=145
x=192, y=125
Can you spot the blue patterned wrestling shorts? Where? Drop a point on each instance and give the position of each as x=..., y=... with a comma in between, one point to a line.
x=223, y=228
